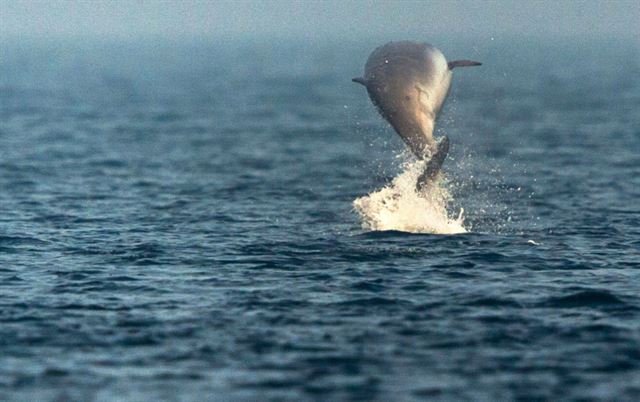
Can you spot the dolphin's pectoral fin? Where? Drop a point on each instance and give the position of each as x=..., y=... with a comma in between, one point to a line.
x=434, y=164
x=463, y=63
x=360, y=80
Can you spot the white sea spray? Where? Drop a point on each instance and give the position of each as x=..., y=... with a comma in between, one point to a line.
x=398, y=206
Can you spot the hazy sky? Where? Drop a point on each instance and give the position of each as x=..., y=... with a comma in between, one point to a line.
x=314, y=18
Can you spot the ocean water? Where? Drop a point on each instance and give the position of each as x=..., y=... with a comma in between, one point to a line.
x=196, y=220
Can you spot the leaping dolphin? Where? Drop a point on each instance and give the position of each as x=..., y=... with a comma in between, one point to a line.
x=408, y=82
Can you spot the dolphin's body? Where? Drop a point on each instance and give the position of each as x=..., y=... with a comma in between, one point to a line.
x=408, y=82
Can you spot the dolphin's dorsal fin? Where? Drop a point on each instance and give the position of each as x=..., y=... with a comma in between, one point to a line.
x=463, y=63
x=360, y=80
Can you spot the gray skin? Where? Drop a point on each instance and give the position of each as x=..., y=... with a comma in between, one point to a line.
x=408, y=82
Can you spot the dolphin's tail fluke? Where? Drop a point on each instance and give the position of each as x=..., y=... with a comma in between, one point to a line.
x=434, y=164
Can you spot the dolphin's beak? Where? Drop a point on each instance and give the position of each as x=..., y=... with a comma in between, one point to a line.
x=463, y=63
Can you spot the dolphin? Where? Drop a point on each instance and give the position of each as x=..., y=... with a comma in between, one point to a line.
x=408, y=82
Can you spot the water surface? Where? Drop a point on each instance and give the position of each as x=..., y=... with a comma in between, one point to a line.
x=176, y=222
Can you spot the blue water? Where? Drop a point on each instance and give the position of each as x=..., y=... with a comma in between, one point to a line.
x=176, y=223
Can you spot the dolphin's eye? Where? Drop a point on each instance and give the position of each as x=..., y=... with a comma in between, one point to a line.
x=407, y=98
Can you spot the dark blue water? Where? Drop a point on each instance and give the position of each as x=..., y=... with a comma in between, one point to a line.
x=176, y=223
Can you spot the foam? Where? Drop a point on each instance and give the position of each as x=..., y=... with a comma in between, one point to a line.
x=398, y=206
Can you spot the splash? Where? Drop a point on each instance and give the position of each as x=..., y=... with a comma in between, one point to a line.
x=398, y=206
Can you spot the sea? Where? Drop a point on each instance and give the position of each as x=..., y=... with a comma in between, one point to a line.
x=231, y=220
